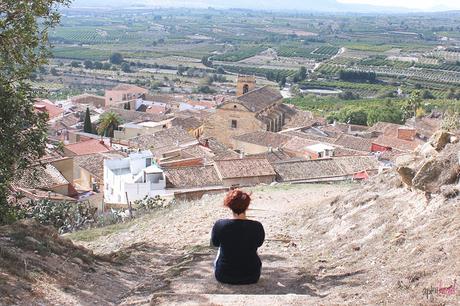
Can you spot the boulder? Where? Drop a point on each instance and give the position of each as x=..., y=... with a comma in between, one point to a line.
x=438, y=171
x=428, y=151
x=406, y=174
x=440, y=139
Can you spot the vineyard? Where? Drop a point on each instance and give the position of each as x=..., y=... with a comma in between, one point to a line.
x=79, y=53
x=238, y=55
x=319, y=54
x=94, y=36
x=262, y=72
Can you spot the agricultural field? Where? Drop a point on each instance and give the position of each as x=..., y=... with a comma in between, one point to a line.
x=178, y=50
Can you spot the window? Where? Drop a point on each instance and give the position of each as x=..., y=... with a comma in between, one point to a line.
x=320, y=154
x=245, y=88
x=234, y=106
x=234, y=124
x=148, y=162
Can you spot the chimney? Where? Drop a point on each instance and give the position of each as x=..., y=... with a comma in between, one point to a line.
x=407, y=133
x=241, y=154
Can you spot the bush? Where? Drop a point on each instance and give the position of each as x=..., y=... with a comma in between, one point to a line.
x=116, y=58
x=64, y=216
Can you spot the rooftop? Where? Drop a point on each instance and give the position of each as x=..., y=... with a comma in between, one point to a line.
x=46, y=106
x=264, y=138
x=190, y=177
x=129, y=87
x=244, y=167
x=40, y=177
x=259, y=99
x=304, y=170
x=88, y=147
x=94, y=163
x=354, y=143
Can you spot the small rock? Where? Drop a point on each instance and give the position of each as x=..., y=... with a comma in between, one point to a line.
x=78, y=261
x=450, y=191
x=32, y=240
x=440, y=139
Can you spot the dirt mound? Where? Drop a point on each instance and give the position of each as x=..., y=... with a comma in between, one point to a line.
x=37, y=266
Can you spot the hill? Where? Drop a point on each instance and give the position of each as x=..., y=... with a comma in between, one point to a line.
x=372, y=243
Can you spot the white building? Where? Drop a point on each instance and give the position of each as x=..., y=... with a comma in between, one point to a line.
x=321, y=150
x=135, y=177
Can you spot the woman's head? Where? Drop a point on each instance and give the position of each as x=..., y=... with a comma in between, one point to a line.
x=237, y=200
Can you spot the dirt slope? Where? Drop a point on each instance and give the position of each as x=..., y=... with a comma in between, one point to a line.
x=326, y=244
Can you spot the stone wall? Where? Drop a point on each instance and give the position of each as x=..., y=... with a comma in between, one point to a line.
x=219, y=125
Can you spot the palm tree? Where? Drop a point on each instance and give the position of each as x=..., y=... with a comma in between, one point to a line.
x=109, y=121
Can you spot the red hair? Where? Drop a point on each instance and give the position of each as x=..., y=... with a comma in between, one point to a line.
x=237, y=200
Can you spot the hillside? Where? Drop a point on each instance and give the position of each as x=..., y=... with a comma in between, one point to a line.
x=375, y=243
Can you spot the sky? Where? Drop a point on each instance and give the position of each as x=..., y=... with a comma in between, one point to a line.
x=313, y=5
x=412, y=4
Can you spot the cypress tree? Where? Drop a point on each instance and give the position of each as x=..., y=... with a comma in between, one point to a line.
x=88, y=127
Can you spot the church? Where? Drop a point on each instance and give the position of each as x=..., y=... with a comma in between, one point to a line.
x=253, y=109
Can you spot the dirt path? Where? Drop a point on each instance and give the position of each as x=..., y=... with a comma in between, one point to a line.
x=325, y=244
x=183, y=234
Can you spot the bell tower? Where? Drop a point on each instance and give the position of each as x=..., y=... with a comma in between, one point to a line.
x=245, y=84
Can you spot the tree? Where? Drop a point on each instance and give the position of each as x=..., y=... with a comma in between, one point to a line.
x=282, y=82
x=88, y=126
x=353, y=115
x=98, y=65
x=109, y=122
x=385, y=113
x=88, y=64
x=75, y=64
x=451, y=121
x=24, y=46
x=410, y=107
x=116, y=58
x=302, y=73
x=106, y=66
x=125, y=67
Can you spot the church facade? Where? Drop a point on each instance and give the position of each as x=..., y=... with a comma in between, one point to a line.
x=254, y=109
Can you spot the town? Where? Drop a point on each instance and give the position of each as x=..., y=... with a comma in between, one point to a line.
x=189, y=145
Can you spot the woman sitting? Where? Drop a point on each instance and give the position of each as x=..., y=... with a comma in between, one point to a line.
x=238, y=239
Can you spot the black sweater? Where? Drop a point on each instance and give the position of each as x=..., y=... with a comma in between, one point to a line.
x=238, y=262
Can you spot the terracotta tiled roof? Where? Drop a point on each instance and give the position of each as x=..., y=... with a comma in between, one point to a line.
x=386, y=129
x=298, y=145
x=354, y=143
x=291, y=171
x=272, y=156
x=245, y=167
x=47, y=106
x=129, y=87
x=190, y=177
x=134, y=116
x=219, y=150
x=311, y=136
x=164, y=139
x=259, y=99
x=264, y=138
x=396, y=143
x=94, y=163
x=301, y=119
x=40, y=177
x=88, y=147
x=187, y=123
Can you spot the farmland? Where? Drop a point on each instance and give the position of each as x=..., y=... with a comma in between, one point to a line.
x=179, y=48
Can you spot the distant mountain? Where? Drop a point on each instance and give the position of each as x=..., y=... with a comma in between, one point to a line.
x=286, y=5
